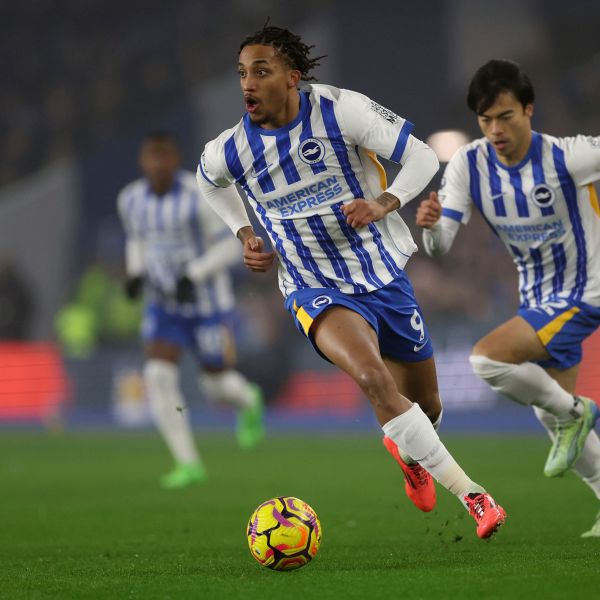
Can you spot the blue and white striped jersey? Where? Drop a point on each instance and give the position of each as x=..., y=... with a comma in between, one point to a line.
x=172, y=230
x=297, y=178
x=545, y=210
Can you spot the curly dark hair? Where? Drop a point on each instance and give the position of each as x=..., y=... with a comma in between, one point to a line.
x=288, y=45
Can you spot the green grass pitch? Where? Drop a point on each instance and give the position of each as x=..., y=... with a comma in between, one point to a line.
x=82, y=516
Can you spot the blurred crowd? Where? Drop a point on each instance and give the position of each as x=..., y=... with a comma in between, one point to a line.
x=76, y=72
x=17, y=303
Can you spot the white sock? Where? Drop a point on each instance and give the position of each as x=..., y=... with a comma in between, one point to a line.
x=587, y=466
x=436, y=425
x=168, y=409
x=414, y=434
x=527, y=384
x=229, y=387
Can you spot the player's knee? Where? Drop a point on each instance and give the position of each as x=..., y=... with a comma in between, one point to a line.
x=160, y=372
x=491, y=371
x=505, y=352
x=480, y=349
x=374, y=381
x=227, y=386
x=161, y=380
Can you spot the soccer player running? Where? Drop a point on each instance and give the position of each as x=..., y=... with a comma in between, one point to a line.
x=307, y=161
x=179, y=250
x=536, y=193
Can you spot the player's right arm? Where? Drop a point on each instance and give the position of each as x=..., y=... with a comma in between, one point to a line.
x=216, y=185
x=441, y=214
x=134, y=250
x=255, y=258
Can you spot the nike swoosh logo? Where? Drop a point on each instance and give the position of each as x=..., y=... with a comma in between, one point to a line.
x=419, y=348
x=254, y=173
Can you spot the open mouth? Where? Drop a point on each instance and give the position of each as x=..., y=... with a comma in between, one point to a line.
x=251, y=103
x=500, y=144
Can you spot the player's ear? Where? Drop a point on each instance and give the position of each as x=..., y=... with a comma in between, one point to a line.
x=294, y=77
x=529, y=110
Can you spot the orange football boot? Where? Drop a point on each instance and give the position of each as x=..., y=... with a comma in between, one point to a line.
x=488, y=515
x=419, y=485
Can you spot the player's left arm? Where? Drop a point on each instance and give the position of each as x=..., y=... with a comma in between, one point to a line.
x=376, y=128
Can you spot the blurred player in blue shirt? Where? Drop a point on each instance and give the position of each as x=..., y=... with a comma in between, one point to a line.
x=536, y=193
x=179, y=251
x=307, y=162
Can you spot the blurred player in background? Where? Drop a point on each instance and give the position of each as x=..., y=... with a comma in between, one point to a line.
x=307, y=161
x=536, y=193
x=179, y=250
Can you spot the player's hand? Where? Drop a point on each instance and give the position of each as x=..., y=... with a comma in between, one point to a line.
x=361, y=212
x=255, y=258
x=185, y=291
x=429, y=211
x=133, y=287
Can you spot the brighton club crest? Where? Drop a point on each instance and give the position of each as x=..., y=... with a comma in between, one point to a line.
x=542, y=195
x=311, y=151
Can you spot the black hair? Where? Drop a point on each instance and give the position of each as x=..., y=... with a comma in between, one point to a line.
x=288, y=45
x=495, y=77
x=161, y=135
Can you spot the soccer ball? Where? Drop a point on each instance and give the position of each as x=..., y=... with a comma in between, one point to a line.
x=284, y=533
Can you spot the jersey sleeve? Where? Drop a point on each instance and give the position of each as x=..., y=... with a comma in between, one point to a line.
x=212, y=167
x=134, y=244
x=582, y=158
x=454, y=193
x=374, y=127
x=124, y=200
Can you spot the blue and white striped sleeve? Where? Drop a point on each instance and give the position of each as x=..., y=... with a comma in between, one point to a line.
x=454, y=193
x=455, y=198
x=376, y=128
x=134, y=243
x=125, y=201
x=212, y=167
x=582, y=158
x=373, y=126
